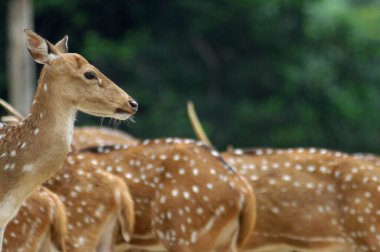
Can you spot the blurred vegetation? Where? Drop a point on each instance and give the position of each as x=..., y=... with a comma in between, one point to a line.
x=261, y=73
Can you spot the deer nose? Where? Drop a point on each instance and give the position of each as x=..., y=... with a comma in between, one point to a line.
x=134, y=105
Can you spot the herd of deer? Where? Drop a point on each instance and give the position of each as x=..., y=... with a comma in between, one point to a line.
x=94, y=189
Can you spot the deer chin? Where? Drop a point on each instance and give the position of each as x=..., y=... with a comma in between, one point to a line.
x=121, y=116
x=115, y=115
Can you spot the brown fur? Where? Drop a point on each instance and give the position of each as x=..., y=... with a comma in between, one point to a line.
x=312, y=199
x=59, y=227
x=126, y=214
x=247, y=219
x=205, y=218
x=40, y=223
x=94, y=201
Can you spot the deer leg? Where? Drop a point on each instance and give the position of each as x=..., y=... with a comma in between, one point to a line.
x=106, y=239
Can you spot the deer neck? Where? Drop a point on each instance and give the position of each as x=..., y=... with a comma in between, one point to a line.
x=36, y=149
x=52, y=116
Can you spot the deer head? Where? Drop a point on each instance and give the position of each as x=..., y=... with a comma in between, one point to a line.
x=69, y=77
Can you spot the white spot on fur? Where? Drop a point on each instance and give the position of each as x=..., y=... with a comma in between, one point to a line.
x=195, y=189
x=286, y=178
x=194, y=237
x=195, y=172
x=27, y=168
x=175, y=193
x=186, y=195
x=7, y=166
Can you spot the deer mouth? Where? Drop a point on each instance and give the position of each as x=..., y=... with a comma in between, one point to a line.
x=122, y=114
x=121, y=111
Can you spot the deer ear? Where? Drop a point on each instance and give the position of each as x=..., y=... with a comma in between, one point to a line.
x=41, y=50
x=62, y=45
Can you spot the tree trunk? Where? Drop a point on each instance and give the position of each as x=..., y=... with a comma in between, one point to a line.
x=20, y=67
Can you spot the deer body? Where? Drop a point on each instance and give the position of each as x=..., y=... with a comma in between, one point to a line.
x=186, y=198
x=312, y=200
x=32, y=151
x=40, y=225
x=96, y=202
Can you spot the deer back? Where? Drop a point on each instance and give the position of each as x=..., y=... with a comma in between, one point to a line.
x=312, y=198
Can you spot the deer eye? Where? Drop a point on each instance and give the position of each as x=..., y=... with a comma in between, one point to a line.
x=90, y=75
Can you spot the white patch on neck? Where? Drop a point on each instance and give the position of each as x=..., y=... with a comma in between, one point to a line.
x=8, y=209
x=70, y=120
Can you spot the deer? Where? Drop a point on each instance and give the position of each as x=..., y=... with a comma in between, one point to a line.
x=229, y=217
x=40, y=225
x=33, y=150
x=186, y=198
x=310, y=199
x=97, y=202
x=101, y=199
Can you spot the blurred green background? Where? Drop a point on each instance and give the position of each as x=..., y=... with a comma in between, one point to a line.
x=261, y=73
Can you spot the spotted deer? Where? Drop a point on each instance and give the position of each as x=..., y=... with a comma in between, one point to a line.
x=33, y=150
x=186, y=197
x=99, y=136
x=96, y=202
x=324, y=199
x=310, y=199
x=40, y=224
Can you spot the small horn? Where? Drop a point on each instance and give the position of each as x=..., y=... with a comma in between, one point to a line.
x=195, y=123
x=11, y=110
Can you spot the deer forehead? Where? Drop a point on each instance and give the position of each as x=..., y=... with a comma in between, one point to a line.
x=75, y=60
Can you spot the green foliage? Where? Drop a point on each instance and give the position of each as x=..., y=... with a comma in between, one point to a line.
x=261, y=73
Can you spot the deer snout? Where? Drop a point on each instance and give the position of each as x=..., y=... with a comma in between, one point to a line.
x=129, y=107
x=134, y=105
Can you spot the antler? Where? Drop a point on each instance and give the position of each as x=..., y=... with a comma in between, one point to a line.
x=196, y=124
x=11, y=110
